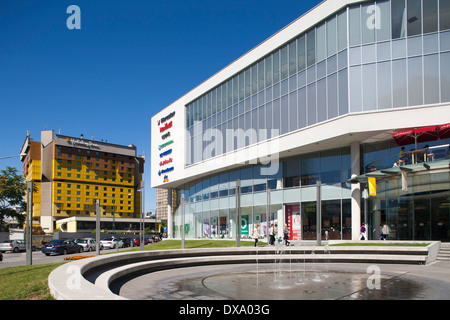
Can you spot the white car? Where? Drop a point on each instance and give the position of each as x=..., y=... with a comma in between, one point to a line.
x=111, y=243
x=88, y=244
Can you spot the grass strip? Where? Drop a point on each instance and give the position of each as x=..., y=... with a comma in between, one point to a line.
x=26, y=282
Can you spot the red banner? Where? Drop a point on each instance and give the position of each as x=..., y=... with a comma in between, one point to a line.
x=293, y=221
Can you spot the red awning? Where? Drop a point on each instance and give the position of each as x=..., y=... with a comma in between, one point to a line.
x=415, y=135
x=444, y=131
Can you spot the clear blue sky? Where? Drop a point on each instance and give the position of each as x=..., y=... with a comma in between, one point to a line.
x=130, y=59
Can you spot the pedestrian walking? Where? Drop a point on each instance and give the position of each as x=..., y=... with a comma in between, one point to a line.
x=272, y=235
x=256, y=234
x=363, y=232
x=286, y=235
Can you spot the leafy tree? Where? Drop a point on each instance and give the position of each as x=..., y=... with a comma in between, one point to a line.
x=12, y=192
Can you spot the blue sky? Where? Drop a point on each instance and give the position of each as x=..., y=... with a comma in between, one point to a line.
x=130, y=59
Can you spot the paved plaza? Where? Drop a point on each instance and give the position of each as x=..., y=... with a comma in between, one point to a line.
x=292, y=281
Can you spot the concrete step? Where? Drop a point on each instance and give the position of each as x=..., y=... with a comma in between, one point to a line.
x=444, y=252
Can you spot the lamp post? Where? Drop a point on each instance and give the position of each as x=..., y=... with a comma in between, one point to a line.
x=97, y=227
x=141, y=231
x=29, y=226
x=183, y=235
x=238, y=213
x=114, y=216
x=319, y=213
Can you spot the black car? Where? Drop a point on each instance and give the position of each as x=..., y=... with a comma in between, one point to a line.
x=61, y=247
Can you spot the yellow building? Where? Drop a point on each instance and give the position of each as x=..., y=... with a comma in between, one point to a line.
x=71, y=173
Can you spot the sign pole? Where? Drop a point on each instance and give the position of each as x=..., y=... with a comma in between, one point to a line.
x=238, y=214
x=97, y=227
x=29, y=227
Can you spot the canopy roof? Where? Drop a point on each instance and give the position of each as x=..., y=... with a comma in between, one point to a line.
x=412, y=168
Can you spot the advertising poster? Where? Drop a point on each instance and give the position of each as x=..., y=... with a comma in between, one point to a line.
x=293, y=219
x=223, y=225
x=244, y=225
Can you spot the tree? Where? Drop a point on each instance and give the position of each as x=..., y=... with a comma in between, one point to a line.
x=12, y=192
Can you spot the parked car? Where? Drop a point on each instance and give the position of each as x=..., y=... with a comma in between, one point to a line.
x=61, y=247
x=136, y=242
x=111, y=243
x=88, y=244
x=126, y=242
x=14, y=246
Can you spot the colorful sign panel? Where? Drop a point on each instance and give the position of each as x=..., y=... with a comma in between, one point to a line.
x=164, y=125
x=293, y=221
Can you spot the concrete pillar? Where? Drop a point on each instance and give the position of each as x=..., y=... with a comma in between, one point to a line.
x=169, y=215
x=356, y=190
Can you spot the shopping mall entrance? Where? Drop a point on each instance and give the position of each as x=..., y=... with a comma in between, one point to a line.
x=416, y=209
x=301, y=220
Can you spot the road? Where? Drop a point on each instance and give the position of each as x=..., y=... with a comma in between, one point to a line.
x=19, y=259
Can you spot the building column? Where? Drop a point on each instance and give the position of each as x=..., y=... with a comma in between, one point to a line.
x=356, y=190
x=169, y=215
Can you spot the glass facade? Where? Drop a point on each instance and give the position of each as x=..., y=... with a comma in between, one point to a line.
x=422, y=212
x=209, y=204
x=371, y=56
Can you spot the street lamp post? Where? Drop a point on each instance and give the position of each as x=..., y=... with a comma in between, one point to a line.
x=97, y=227
x=114, y=216
x=141, y=242
x=29, y=226
x=238, y=213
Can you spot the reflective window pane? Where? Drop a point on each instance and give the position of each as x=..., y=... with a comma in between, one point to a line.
x=284, y=63
x=321, y=42
x=331, y=36
x=399, y=83
x=384, y=15
x=355, y=89
x=312, y=109
x=369, y=74
x=332, y=96
x=293, y=111
x=321, y=100
x=276, y=67
x=268, y=71
x=260, y=75
x=342, y=30
x=302, y=111
x=355, y=25
x=444, y=14
x=301, y=52
x=343, y=92
x=414, y=17
x=415, y=86
x=292, y=57
x=445, y=77
x=384, y=85
x=311, y=47
x=369, y=22
x=431, y=78
x=430, y=16
x=398, y=16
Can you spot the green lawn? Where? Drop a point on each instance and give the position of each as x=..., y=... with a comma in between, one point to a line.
x=26, y=283
x=195, y=244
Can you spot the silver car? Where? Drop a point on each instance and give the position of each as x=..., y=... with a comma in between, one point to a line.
x=88, y=244
x=14, y=246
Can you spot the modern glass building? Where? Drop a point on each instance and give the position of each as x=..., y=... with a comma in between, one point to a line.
x=301, y=123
